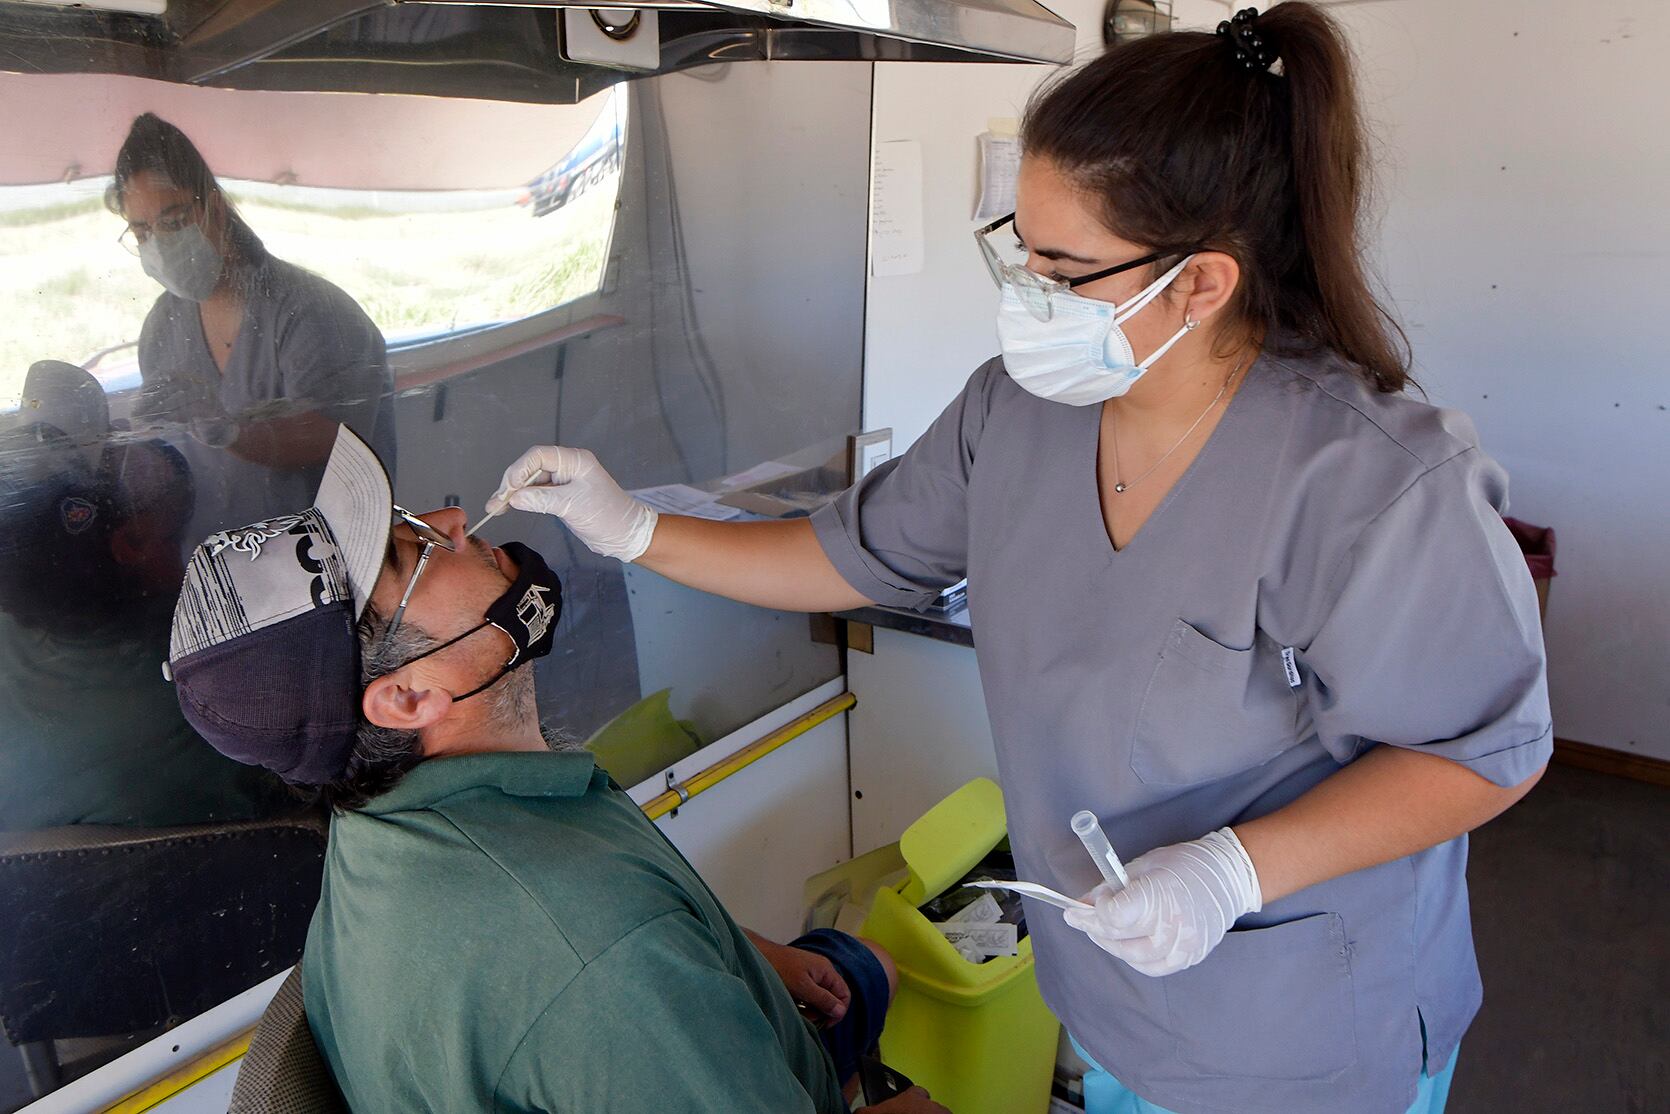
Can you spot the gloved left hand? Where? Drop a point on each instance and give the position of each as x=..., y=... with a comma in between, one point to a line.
x=1181, y=901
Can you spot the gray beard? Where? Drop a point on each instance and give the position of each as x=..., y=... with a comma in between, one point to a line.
x=512, y=704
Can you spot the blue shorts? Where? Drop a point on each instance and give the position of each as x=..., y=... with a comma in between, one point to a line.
x=855, y=1034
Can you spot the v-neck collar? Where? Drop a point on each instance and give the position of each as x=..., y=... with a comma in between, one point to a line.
x=209, y=349
x=244, y=318
x=1087, y=477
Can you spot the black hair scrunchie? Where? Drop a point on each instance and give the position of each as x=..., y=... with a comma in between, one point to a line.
x=1251, y=50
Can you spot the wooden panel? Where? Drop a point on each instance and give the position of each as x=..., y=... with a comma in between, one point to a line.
x=1638, y=767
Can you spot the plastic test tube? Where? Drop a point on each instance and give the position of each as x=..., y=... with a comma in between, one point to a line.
x=1096, y=842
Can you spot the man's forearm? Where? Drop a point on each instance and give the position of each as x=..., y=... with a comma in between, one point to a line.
x=1389, y=803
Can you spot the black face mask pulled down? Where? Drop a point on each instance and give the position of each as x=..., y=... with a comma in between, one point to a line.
x=527, y=612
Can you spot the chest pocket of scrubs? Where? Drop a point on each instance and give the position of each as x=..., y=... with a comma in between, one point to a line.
x=1210, y=711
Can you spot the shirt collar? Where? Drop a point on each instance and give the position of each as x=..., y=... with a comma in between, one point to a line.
x=513, y=773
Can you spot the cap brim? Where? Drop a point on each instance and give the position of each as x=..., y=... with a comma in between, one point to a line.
x=357, y=503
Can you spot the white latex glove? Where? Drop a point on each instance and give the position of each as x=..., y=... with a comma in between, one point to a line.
x=571, y=484
x=1181, y=901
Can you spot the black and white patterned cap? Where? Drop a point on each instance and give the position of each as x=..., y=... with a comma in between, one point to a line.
x=263, y=653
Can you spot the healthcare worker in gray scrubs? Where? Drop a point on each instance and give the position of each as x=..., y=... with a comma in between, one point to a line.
x=1234, y=590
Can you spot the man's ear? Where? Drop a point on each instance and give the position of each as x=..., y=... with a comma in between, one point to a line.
x=392, y=702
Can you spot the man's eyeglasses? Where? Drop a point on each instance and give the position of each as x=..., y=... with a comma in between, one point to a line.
x=430, y=537
x=1034, y=290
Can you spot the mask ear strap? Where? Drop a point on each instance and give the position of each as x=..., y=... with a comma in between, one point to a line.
x=491, y=681
x=1137, y=304
x=515, y=647
x=1189, y=326
x=442, y=646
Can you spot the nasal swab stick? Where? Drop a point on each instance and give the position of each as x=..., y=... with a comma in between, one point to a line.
x=1096, y=842
x=485, y=519
x=1033, y=889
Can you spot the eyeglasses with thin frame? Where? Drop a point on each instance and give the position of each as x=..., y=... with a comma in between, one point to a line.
x=174, y=219
x=430, y=537
x=1035, y=291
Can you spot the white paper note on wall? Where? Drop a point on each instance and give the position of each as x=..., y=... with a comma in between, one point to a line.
x=896, y=209
x=1000, y=165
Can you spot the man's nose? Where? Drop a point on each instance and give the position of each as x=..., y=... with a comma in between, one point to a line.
x=451, y=521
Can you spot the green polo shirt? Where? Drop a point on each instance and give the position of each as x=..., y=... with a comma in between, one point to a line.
x=507, y=932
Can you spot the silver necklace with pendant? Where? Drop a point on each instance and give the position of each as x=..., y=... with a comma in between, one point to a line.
x=1119, y=488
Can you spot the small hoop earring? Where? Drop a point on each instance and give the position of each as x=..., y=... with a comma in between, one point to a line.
x=1189, y=323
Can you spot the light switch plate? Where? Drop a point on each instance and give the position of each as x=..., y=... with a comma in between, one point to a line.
x=867, y=451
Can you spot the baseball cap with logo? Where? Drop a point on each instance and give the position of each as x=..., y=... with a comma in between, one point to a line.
x=69, y=399
x=264, y=654
x=57, y=514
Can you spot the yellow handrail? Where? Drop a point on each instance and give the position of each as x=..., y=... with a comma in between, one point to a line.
x=188, y=1073
x=706, y=779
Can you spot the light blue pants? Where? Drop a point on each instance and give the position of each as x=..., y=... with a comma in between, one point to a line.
x=1103, y=1094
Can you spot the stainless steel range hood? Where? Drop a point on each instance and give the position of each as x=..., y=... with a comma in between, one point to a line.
x=501, y=49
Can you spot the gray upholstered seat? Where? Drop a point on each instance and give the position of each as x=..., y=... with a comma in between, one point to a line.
x=283, y=1073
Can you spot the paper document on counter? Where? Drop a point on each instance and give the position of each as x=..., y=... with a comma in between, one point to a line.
x=763, y=472
x=686, y=500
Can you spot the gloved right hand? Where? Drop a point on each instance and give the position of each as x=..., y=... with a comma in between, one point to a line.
x=571, y=484
x=913, y=1101
x=1181, y=901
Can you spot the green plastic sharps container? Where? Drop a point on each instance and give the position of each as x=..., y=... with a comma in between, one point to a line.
x=977, y=1035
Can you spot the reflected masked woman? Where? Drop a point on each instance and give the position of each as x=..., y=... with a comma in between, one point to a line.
x=255, y=359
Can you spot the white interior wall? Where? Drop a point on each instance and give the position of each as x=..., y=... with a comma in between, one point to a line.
x=1525, y=243
x=1522, y=142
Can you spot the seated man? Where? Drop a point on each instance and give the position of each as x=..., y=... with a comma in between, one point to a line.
x=500, y=928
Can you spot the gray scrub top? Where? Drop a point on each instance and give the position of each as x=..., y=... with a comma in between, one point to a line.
x=303, y=341
x=1147, y=684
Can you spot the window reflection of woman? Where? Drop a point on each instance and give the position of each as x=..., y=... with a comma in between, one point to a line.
x=257, y=359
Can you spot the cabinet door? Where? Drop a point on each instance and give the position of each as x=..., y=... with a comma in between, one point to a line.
x=759, y=834
x=919, y=731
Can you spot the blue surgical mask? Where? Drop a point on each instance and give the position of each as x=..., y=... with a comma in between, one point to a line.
x=1079, y=356
x=184, y=262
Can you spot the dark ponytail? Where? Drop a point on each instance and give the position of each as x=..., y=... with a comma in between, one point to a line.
x=1185, y=146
